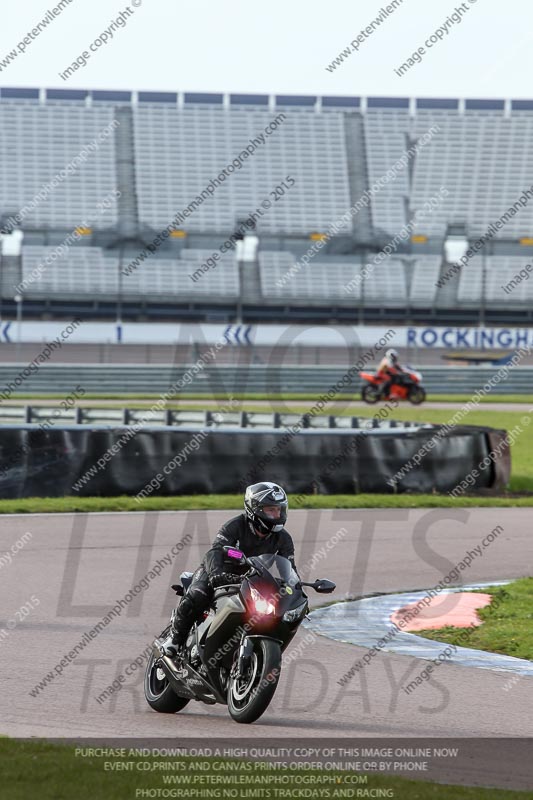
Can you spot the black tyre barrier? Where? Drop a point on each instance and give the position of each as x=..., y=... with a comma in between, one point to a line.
x=84, y=461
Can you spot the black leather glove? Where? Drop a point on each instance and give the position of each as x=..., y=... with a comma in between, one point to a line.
x=223, y=578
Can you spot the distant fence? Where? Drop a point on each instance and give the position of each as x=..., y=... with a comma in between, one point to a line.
x=110, y=415
x=231, y=380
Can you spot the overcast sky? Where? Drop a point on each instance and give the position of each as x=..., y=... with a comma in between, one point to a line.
x=280, y=46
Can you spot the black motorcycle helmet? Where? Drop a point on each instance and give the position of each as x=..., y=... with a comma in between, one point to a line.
x=259, y=495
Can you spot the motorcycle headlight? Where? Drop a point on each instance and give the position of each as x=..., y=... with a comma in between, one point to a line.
x=295, y=613
x=261, y=604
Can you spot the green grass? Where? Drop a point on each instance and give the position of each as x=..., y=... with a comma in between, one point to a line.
x=52, y=772
x=230, y=502
x=507, y=628
x=486, y=400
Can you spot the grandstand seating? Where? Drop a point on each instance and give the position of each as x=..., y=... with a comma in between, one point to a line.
x=178, y=153
x=483, y=158
x=87, y=271
x=79, y=271
x=423, y=279
x=90, y=271
x=175, y=146
x=37, y=143
x=386, y=142
x=385, y=284
x=499, y=271
x=485, y=161
x=320, y=280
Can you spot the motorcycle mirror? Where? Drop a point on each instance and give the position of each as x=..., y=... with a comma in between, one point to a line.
x=324, y=586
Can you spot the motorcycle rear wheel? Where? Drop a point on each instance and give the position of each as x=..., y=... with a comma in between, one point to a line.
x=249, y=696
x=370, y=394
x=158, y=691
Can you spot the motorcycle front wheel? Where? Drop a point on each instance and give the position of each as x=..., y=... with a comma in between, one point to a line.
x=417, y=395
x=249, y=695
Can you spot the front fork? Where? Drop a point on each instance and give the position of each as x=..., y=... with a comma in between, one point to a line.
x=244, y=656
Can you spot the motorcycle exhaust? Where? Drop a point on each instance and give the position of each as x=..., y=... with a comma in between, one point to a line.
x=178, y=677
x=171, y=672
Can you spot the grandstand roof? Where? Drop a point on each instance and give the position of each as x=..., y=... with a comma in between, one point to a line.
x=43, y=95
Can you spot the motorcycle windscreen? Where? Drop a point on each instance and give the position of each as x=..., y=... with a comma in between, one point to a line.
x=280, y=568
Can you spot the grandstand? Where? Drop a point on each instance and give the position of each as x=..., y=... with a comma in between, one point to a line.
x=156, y=154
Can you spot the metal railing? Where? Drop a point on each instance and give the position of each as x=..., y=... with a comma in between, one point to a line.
x=38, y=415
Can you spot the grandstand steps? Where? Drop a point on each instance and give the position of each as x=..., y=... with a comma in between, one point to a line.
x=250, y=282
x=410, y=141
x=358, y=174
x=408, y=266
x=446, y=296
x=11, y=275
x=128, y=225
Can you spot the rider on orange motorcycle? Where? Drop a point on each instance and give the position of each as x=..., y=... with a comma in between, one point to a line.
x=390, y=370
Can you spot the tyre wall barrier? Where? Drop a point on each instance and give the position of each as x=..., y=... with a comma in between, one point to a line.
x=110, y=461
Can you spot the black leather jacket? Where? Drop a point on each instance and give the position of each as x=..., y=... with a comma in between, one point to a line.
x=237, y=532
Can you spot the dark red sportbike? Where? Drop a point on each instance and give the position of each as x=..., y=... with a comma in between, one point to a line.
x=407, y=386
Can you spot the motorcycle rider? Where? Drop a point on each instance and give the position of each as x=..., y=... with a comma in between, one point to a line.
x=389, y=368
x=259, y=530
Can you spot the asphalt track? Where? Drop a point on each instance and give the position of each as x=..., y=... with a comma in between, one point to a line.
x=73, y=562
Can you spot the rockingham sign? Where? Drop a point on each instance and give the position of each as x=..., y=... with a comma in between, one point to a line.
x=469, y=338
